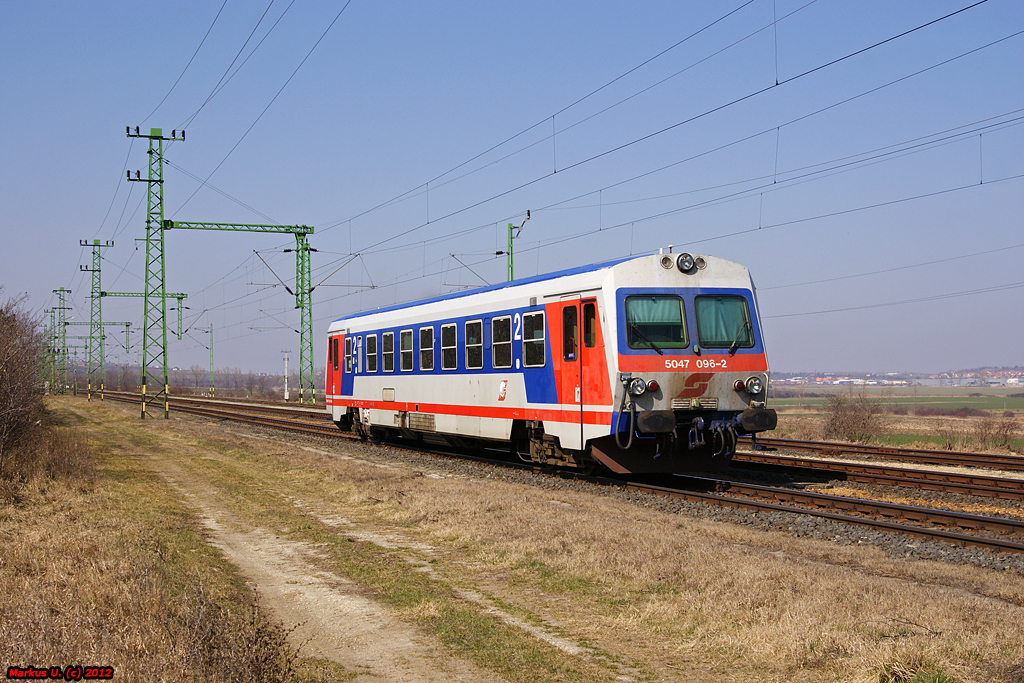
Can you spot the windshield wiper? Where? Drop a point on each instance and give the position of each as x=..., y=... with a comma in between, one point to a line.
x=643, y=336
x=736, y=341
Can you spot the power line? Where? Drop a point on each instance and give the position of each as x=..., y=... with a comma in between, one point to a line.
x=274, y=99
x=958, y=257
x=221, y=82
x=205, y=36
x=936, y=297
x=671, y=127
x=410, y=192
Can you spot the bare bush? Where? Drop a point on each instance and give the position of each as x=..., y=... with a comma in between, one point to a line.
x=852, y=418
x=53, y=453
x=21, y=360
x=992, y=433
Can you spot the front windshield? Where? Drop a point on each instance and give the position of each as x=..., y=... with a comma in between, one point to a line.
x=654, y=322
x=723, y=321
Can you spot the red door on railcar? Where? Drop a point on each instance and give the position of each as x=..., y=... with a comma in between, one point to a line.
x=583, y=376
x=335, y=368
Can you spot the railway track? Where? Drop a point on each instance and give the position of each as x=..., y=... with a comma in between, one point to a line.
x=1002, y=488
x=918, y=455
x=875, y=514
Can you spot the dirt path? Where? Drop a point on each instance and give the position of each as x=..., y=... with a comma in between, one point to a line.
x=331, y=617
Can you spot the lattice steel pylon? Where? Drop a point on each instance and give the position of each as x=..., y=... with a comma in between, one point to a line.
x=94, y=350
x=61, y=342
x=154, y=301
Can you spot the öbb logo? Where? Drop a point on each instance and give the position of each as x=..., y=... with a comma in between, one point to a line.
x=695, y=385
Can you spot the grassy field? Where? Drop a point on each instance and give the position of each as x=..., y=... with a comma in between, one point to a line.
x=117, y=567
x=646, y=594
x=993, y=399
x=956, y=418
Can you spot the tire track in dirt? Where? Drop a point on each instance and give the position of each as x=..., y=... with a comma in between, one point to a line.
x=330, y=616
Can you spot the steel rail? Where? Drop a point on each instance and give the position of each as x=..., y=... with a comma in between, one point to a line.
x=921, y=455
x=912, y=513
x=954, y=537
x=888, y=475
x=318, y=413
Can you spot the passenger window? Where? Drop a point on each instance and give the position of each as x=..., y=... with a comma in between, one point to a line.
x=533, y=340
x=406, y=341
x=474, y=345
x=371, y=353
x=569, y=333
x=388, y=350
x=590, y=325
x=359, y=355
x=501, y=342
x=348, y=354
x=449, y=350
x=426, y=348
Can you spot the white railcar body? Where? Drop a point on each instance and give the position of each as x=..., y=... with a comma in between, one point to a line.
x=554, y=365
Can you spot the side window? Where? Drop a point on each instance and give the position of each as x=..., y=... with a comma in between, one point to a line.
x=388, y=342
x=474, y=345
x=590, y=325
x=533, y=339
x=449, y=350
x=359, y=354
x=569, y=333
x=348, y=354
x=501, y=342
x=371, y=353
x=334, y=352
x=406, y=341
x=426, y=349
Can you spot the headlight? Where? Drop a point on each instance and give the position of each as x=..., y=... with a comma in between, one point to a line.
x=684, y=263
x=637, y=387
x=754, y=385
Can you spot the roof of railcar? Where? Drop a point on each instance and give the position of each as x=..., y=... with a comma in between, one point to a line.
x=493, y=288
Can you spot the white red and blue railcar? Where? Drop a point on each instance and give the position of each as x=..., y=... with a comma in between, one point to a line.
x=644, y=364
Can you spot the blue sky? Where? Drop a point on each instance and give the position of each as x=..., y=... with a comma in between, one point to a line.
x=876, y=196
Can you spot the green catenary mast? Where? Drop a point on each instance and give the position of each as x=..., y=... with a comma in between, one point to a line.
x=94, y=349
x=303, y=290
x=60, y=341
x=154, y=302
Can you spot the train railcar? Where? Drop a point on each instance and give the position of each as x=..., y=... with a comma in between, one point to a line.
x=643, y=364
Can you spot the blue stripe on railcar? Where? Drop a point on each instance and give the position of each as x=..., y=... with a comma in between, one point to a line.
x=539, y=381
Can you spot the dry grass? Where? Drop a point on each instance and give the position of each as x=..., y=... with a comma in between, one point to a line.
x=702, y=593
x=676, y=593
x=675, y=597
x=103, y=567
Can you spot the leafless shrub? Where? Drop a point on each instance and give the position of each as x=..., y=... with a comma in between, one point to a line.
x=852, y=418
x=984, y=434
x=21, y=359
x=992, y=433
x=53, y=453
x=955, y=435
